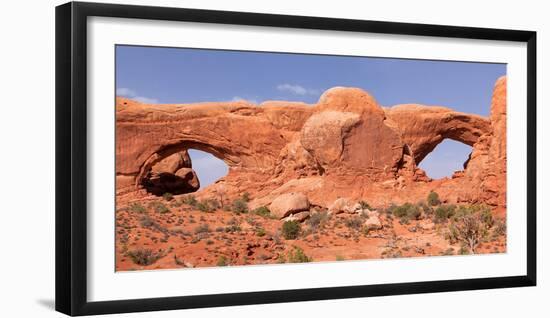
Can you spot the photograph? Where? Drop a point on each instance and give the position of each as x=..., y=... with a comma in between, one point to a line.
x=234, y=158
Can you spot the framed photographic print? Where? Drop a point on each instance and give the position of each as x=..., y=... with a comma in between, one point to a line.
x=208, y=158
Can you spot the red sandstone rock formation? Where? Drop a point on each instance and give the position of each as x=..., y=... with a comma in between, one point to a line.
x=346, y=145
x=172, y=174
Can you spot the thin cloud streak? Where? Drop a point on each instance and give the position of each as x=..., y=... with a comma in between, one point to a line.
x=129, y=93
x=296, y=89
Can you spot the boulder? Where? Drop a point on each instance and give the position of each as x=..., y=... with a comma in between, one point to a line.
x=289, y=203
x=190, y=179
x=185, y=180
x=341, y=205
x=323, y=135
x=172, y=163
x=373, y=223
x=300, y=216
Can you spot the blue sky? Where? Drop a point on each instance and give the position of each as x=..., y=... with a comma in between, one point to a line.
x=174, y=75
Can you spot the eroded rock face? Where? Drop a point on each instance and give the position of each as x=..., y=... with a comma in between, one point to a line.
x=346, y=145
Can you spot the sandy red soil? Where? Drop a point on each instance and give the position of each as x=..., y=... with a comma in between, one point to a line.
x=186, y=237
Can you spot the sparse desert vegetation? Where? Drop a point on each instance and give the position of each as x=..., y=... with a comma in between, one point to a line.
x=191, y=232
x=343, y=178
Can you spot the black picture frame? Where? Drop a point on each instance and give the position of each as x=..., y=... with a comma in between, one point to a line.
x=71, y=157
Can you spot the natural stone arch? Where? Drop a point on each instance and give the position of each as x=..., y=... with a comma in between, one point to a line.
x=274, y=147
x=424, y=127
x=171, y=149
x=245, y=136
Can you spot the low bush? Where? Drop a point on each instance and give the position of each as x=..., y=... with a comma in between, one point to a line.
x=433, y=198
x=146, y=221
x=449, y=251
x=291, y=230
x=425, y=208
x=144, y=256
x=203, y=228
x=317, y=220
x=354, y=222
x=364, y=205
x=222, y=261
x=297, y=255
x=233, y=228
x=407, y=212
x=168, y=196
x=190, y=200
x=137, y=208
x=260, y=232
x=262, y=211
x=207, y=205
x=499, y=227
x=470, y=225
x=444, y=212
x=240, y=206
x=389, y=210
x=159, y=207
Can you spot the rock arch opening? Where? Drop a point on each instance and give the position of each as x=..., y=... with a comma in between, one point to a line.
x=447, y=157
x=181, y=168
x=208, y=167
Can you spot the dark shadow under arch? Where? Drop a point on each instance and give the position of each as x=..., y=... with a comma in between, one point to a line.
x=210, y=152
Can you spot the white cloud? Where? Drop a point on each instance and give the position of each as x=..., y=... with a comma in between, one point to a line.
x=296, y=89
x=145, y=100
x=126, y=92
x=239, y=98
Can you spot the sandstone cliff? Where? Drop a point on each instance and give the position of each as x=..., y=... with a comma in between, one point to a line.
x=346, y=145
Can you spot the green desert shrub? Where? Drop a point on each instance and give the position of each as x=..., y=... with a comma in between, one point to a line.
x=470, y=225
x=354, y=222
x=222, y=261
x=203, y=206
x=499, y=227
x=144, y=256
x=407, y=212
x=291, y=230
x=147, y=221
x=433, y=198
x=297, y=255
x=486, y=217
x=190, y=200
x=137, y=208
x=159, y=207
x=239, y=206
x=364, y=205
x=262, y=211
x=246, y=197
x=208, y=205
x=233, y=228
x=444, y=212
x=317, y=220
x=203, y=228
x=168, y=196
x=425, y=208
x=214, y=204
x=260, y=232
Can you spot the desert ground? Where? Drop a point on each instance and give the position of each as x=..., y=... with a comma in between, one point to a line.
x=334, y=181
x=157, y=234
